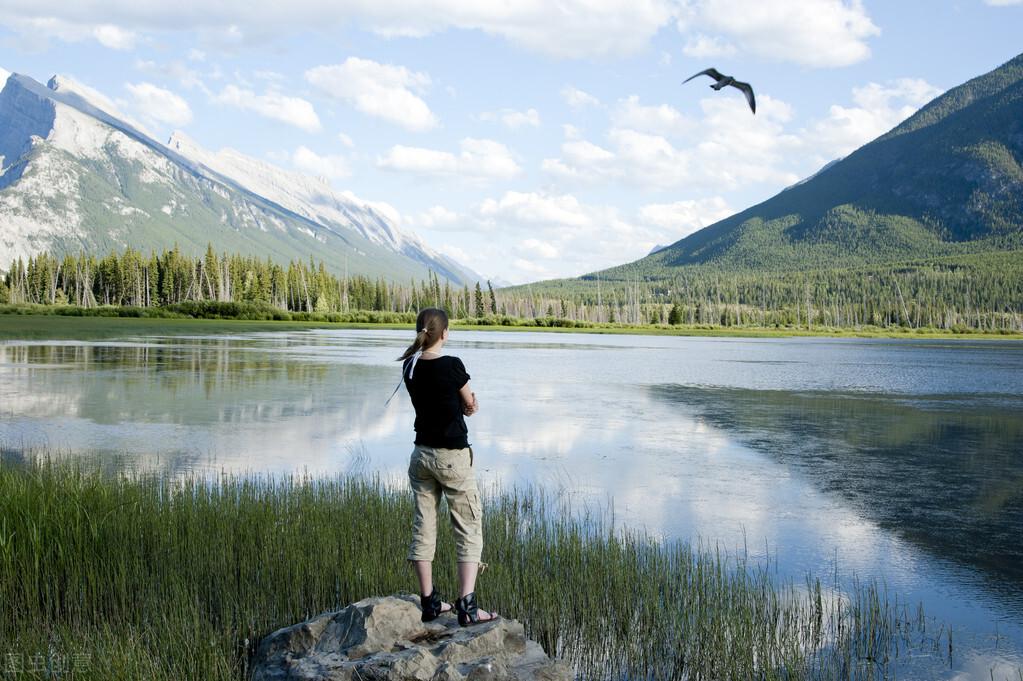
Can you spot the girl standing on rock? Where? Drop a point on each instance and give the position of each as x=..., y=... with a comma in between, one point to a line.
x=442, y=463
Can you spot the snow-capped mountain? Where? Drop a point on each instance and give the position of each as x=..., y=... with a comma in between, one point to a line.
x=77, y=174
x=308, y=196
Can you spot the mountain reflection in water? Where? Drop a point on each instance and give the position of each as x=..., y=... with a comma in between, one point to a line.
x=945, y=473
x=845, y=458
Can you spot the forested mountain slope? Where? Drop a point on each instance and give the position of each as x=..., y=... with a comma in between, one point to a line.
x=946, y=181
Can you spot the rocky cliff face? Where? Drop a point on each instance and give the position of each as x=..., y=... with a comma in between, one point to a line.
x=26, y=116
x=383, y=638
x=77, y=174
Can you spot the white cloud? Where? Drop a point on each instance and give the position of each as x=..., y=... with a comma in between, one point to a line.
x=436, y=217
x=477, y=159
x=813, y=32
x=513, y=119
x=1003, y=3
x=530, y=270
x=538, y=249
x=268, y=75
x=702, y=46
x=682, y=218
x=584, y=161
x=878, y=109
x=157, y=104
x=291, y=110
x=817, y=33
x=581, y=151
x=419, y=160
x=581, y=159
x=724, y=149
x=532, y=209
x=440, y=214
x=230, y=37
x=330, y=167
x=381, y=90
x=196, y=55
x=727, y=148
x=577, y=98
x=738, y=148
x=577, y=28
x=42, y=27
x=661, y=119
x=345, y=140
x=175, y=70
x=37, y=27
x=552, y=235
x=648, y=159
x=114, y=37
x=556, y=235
x=455, y=253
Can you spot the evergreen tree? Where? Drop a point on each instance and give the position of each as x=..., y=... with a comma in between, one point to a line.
x=493, y=298
x=973, y=291
x=479, y=301
x=463, y=310
x=213, y=278
x=675, y=316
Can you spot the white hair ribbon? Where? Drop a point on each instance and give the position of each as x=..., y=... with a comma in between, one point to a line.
x=415, y=358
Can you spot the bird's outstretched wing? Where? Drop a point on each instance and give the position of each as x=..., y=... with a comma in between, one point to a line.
x=747, y=90
x=712, y=72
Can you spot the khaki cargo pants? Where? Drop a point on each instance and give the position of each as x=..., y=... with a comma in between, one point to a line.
x=434, y=471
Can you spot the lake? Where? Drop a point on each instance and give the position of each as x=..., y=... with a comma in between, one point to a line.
x=895, y=460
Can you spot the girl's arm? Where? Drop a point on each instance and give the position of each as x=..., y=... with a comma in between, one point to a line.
x=469, y=404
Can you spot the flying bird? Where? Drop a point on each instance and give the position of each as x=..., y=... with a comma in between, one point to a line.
x=723, y=80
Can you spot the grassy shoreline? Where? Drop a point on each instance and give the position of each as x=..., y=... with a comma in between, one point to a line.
x=138, y=575
x=43, y=322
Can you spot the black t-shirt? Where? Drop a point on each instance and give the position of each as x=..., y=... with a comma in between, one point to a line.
x=434, y=390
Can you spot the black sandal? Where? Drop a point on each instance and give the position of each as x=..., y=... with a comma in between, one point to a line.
x=431, y=606
x=468, y=612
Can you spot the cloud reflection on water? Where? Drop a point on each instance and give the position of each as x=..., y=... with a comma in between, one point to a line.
x=808, y=450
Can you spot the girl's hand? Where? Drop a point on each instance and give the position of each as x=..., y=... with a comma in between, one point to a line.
x=469, y=404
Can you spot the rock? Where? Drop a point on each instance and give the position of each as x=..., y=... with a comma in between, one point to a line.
x=382, y=638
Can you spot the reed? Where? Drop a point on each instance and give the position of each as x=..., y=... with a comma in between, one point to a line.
x=114, y=574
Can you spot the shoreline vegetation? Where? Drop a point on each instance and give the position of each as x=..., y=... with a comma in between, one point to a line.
x=111, y=572
x=45, y=321
x=951, y=294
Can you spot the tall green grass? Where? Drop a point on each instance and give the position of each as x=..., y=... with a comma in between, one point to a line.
x=134, y=575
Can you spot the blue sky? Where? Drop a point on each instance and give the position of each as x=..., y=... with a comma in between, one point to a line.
x=529, y=139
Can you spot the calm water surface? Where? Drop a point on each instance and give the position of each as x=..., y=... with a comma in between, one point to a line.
x=900, y=461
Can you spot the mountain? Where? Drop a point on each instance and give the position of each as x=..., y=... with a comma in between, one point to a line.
x=76, y=174
x=946, y=181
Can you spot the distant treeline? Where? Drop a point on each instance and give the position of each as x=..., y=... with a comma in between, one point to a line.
x=171, y=278
x=978, y=292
